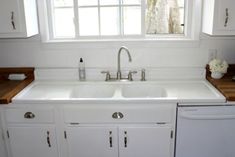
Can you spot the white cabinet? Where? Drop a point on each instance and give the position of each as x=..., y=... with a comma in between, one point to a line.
x=119, y=130
x=18, y=18
x=219, y=17
x=88, y=130
x=31, y=132
x=32, y=141
x=120, y=141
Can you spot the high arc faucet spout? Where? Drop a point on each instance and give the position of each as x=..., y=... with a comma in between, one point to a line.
x=119, y=74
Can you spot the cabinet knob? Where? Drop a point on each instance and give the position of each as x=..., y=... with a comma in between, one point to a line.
x=117, y=115
x=29, y=115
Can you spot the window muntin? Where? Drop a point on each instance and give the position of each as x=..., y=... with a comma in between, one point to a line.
x=75, y=19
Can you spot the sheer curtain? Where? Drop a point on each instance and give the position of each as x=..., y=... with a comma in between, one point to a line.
x=151, y=18
x=174, y=18
x=163, y=17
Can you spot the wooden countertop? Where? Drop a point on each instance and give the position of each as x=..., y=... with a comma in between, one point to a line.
x=225, y=85
x=9, y=88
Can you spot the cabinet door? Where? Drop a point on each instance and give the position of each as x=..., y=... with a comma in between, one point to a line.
x=32, y=141
x=92, y=142
x=9, y=16
x=145, y=142
x=226, y=14
x=225, y=17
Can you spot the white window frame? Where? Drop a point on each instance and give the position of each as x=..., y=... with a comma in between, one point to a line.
x=192, y=28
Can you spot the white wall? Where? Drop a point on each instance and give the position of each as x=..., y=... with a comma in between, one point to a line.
x=31, y=52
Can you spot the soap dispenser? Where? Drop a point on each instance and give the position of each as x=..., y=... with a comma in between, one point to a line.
x=82, y=70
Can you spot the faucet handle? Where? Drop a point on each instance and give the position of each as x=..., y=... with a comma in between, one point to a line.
x=130, y=78
x=108, y=76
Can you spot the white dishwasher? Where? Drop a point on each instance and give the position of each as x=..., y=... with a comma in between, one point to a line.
x=206, y=131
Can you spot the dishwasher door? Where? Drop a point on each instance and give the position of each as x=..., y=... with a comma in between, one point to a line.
x=206, y=131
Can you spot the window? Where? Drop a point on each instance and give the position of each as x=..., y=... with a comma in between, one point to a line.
x=98, y=19
x=164, y=17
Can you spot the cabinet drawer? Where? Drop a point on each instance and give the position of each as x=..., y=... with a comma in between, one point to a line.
x=30, y=115
x=128, y=113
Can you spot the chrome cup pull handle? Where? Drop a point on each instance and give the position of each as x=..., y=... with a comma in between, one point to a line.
x=117, y=115
x=29, y=115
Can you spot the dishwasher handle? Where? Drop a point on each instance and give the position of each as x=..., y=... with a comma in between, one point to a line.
x=206, y=117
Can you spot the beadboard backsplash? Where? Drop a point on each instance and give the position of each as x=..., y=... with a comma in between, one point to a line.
x=153, y=54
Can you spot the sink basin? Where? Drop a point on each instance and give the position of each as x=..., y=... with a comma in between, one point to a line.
x=93, y=91
x=117, y=90
x=143, y=91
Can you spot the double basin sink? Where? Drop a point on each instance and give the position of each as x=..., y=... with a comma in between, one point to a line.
x=138, y=90
x=118, y=91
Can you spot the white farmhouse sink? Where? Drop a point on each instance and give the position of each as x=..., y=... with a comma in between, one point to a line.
x=93, y=91
x=143, y=91
x=73, y=92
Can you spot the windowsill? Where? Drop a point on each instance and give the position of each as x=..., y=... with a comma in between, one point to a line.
x=140, y=42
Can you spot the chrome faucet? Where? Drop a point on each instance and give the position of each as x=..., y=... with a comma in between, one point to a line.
x=119, y=73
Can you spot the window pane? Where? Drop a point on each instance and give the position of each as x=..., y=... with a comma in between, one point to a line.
x=181, y=3
x=88, y=21
x=64, y=25
x=87, y=2
x=109, y=20
x=131, y=1
x=182, y=18
x=164, y=17
x=109, y=2
x=103, y=17
x=132, y=20
x=63, y=3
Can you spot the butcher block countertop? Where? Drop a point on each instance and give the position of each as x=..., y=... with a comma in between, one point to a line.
x=225, y=85
x=9, y=88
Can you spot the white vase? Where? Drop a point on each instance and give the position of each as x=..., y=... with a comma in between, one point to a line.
x=217, y=75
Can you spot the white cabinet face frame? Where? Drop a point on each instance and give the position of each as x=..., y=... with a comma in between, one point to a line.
x=132, y=135
x=63, y=134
